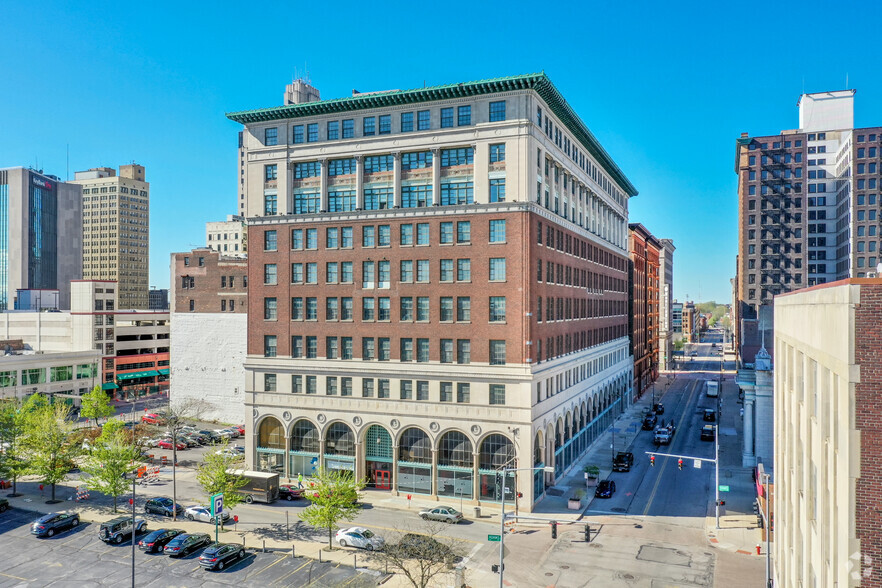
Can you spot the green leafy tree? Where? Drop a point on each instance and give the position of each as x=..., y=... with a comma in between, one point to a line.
x=96, y=405
x=423, y=557
x=215, y=475
x=112, y=456
x=333, y=496
x=48, y=440
x=12, y=429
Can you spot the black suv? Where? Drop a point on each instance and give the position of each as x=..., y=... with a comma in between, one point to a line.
x=658, y=408
x=162, y=506
x=211, y=436
x=184, y=544
x=54, y=522
x=119, y=529
x=156, y=540
x=649, y=422
x=217, y=555
x=710, y=415
x=4, y=504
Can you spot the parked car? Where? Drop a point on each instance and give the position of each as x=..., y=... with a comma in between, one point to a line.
x=211, y=435
x=185, y=543
x=649, y=422
x=153, y=442
x=694, y=354
x=445, y=514
x=4, y=504
x=217, y=555
x=54, y=522
x=605, y=489
x=290, y=493
x=623, y=462
x=234, y=432
x=241, y=429
x=417, y=546
x=710, y=415
x=152, y=419
x=360, y=537
x=156, y=540
x=167, y=444
x=223, y=433
x=663, y=435
x=120, y=529
x=232, y=451
x=203, y=513
x=162, y=506
x=658, y=408
x=188, y=440
x=708, y=432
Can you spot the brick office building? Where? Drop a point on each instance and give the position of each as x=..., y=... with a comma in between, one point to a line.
x=828, y=435
x=438, y=287
x=644, y=305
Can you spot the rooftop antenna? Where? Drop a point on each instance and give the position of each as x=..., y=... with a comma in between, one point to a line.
x=846, y=80
x=68, y=162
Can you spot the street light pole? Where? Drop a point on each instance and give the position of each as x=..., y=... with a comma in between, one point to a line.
x=505, y=471
x=768, y=533
x=134, y=477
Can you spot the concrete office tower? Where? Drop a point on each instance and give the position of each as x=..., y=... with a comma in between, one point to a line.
x=665, y=310
x=828, y=436
x=41, y=245
x=116, y=230
x=438, y=287
x=229, y=237
x=643, y=299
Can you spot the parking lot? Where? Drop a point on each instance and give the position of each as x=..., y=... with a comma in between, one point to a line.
x=79, y=558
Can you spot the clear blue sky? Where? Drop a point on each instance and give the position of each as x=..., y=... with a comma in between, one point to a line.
x=665, y=87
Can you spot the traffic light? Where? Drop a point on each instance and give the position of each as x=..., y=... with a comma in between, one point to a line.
x=680, y=463
x=520, y=494
x=554, y=529
x=587, y=533
x=652, y=460
x=721, y=502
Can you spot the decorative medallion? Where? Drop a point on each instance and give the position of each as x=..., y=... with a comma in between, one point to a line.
x=395, y=424
x=434, y=427
x=286, y=415
x=255, y=413
x=476, y=430
x=356, y=421
x=320, y=418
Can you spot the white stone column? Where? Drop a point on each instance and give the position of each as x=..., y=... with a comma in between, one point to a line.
x=323, y=185
x=434, y=473
x=436, y=176
x=748, y=459
x=396, y=179
x=359, y=182
x=480, y=172
x=395, y=470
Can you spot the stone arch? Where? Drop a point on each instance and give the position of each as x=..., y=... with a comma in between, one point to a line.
x=538, y=448
x=568, y=427
x=414, y=445
x=305, y=436
x=377, y=442
x=271, y=433
x=455, y=449
x=496, y=451
x=339, y=439
x=558, y=433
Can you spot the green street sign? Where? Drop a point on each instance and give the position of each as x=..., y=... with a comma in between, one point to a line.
x=724, y=488
x=494, y=538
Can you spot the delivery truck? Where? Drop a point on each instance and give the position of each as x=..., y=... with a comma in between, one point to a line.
x=259, y=486
x=713, y=389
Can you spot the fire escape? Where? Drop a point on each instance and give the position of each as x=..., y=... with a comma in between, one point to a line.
x=777, y=221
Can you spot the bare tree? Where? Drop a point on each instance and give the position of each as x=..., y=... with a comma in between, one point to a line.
x=176, y=416
x=422, y=555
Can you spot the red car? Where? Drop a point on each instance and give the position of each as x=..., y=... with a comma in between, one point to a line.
x=240, y=428
x=167, y=444
x=152, y=419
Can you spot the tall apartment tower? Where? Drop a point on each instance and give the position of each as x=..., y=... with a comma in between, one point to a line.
x=116, y=230
x=438, y=288
x=41, y=245
x=809, y=208
x=644, y=308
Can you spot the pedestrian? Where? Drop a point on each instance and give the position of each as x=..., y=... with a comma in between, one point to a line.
x=300, y=480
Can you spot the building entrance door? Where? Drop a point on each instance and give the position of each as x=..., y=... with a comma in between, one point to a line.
x=382, y=479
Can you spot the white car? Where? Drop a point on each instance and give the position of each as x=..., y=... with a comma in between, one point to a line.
x=360, y=537
x=224, y=433
x=231, y=452
x=234, y=433
x=203, y=513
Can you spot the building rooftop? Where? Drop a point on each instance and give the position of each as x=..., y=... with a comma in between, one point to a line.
x=538, y=82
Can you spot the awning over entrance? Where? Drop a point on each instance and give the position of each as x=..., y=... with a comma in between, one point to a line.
x=163, y=371
x=133, y=375
x=109, y=386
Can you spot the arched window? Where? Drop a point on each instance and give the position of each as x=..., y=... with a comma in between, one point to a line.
x=414, y=446
x=455, y=449
x=305, y=437
x=538, y=450
x=340, y=440
x=271, y=434
x=497, y=451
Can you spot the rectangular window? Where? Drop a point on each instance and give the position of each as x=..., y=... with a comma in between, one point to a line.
x=497, y=111
x=497, y=269
x=306, y=202
x=497, y=309
x=446, y=309
x=346, y=276
x=385, y=349
x=331, y=385
x=270, y=204
x=497, y=393
x=463, y=351
x=497, y=231
x=424, y=120
x=463, y=309
x=446, y=391
x=378, y=163
x=298, y=134
x=367, y=348
x=332, y=309
x=348, y=128
x=459, y=156
x=311, y=273
x=384, y=236
x=369, y=126
x=497, y=153
x=270, y=172
x=312, y=347
x=384, y=309
x=422, y=274
x=405, y=234
x=269, y=240
x=422, y=234
x=457, y=193
x=416, y=160
x=332, y=238
x=463, y=270
x=422, y=313
x=270, y=274
x=385, y=124
x=497, y=352
x=346, y=237
x=312, y=238
x=384, y=274
x=463, y=231
x=346, y=308
x=446, y=351
x=269, y=346
x=406, y=349
x=312, y=133
x=406, y=390
x=497, y=190
x=296, y=384
x=297, y=309
x=378, y=198
x=406, y=122
x=367, y=388
x=406, y=270
x=463, y=116
x=309, y=169
x=406, y=304
x=312, y=308
x=333, y=131
x=368, y=309
x=446, y=233
x=297, y=346
x=331, y=272
x=271, y=136
x=416, y=196
x=463, y=393
x=269, y=382
x=346, y=343
x=422, y=390
x=341, y=167
x=446, y=270
x=422, y=350
x=446, y=118
x=368, y=236
x=269, y=309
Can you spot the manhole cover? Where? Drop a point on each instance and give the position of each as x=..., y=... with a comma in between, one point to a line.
x=627, y=577
x=548, y=574
x=564, y=567
x=618, y=509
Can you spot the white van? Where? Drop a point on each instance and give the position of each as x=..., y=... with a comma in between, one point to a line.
x=713, y=389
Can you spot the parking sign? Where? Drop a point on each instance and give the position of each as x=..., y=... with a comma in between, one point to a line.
x=217, y=504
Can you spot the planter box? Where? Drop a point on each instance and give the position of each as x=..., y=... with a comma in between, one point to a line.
x=574, y=504
x=591, y=482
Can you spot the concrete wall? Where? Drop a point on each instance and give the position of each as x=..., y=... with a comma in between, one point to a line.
x=207, y=356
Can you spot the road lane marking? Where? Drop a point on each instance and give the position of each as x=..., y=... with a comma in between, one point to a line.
x=15, y=577
x=281, y=559
x=289, y=574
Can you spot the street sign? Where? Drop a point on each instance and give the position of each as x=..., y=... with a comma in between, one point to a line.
x=217, y=504
x=697, y=464
x=724, y=488
x=494, y=537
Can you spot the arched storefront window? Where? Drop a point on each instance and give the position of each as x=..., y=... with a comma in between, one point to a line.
x=455, y=465
x=378, y=457
x=496, y=452
x=538, y=450
x=538, y=461
x=414, y=462
x=271, y=446
x=340, y=448
x=304, y=449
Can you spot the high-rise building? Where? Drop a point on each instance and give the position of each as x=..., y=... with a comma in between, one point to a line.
x=41, y=245
x=116, y=230
x=438, y=287
x=828, y=436
x=157, y=299
x=643, y=315
x=665, y=310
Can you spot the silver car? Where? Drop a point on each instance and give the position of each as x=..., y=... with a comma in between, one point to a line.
x=445, y=514
x=360, y=537
x=202, y=513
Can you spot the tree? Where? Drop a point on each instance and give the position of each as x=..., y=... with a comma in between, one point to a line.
x=421, y=556
x=12, y=429
x=110, y=460
x=215, y=477
x=176, y=416
x=96, y=405
x=333, y=497
x=48, y=440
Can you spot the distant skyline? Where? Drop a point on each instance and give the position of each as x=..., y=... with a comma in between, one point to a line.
x=665, y=91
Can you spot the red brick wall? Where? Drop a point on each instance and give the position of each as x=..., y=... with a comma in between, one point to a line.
x=207, y=292
x=868, y=420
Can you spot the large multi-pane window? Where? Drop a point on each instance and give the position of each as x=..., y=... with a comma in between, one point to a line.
x=270, y=240
x=298, y=134
x=497, y=309
x=368, y=236
x=332, y=272
x=312, y=308
x=422, y=234
x=463, y=351
x=463, y=309
x=348, y=128
x=368, y=309
x=384, y=345
x=422, y=350
x=311, y=273
x=346, y=237
x=497, y=231
x=384, y=309
x=369, y=126
x=368, y=349
x=446, y=306
x=269, y=345
x=497, y=352
x=446, y=270
x=497, y=153
x=459, y=156
x=463, y=232
x=270, y=203
x=270, y=172
x=333, y=130
x=307, y=169
x=406, y=270
x=270, y=274
x=416, y=196
x=297, y=309
x=312, y=133
x=312, y=238
x=497, y=190
x=457, y=193
x=271, y=136
x=406, y=349
x=497, y=111
x=446, y=234
x=416, y=160
x=422, y=313
x=307, y=202
x=346, y=276
x=297, y=273
x=332, y=237
x=446, y=351
x=378, y=163
x=405, y=234
x=384, y=236
x=269, y=309
x=341, y=167
x=406, y=122
x=346, y=342
x=385, y=124
x=422, y=274
x=297, y=346
x=497, y=269
x=341, y=200
x=378, y=198
x=406, y=303
x=463, y=270
x=446, y=117
x=424, y=120
x=463, y=116
x=332, y=309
